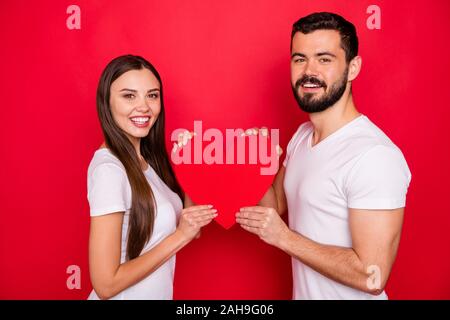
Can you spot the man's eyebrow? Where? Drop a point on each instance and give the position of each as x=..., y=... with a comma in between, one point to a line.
x=325, y=53
x=298, y=54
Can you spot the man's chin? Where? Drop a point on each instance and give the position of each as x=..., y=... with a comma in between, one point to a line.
x=311, y=99
x=312, y=96
x=312, y=106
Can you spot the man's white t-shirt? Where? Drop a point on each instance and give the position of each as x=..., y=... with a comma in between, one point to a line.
x=109, y=191
x=357, y=166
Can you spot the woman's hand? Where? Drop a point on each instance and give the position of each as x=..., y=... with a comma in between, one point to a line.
x=192, y=219
x=183, y=139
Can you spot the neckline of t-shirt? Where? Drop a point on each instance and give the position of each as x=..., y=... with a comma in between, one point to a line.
x=332, y=136
x=109, y=151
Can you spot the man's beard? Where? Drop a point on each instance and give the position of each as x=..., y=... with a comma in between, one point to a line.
x=309, y=103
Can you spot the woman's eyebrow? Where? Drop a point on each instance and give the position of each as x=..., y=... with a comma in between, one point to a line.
x=133, y=90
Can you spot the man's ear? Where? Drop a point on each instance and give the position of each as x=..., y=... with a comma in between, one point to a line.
x=354, y=68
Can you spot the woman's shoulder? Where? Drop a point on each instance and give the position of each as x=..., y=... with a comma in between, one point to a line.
x=108, y=189
x=104, y=158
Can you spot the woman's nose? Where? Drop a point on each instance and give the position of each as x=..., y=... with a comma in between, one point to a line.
x=143, y=105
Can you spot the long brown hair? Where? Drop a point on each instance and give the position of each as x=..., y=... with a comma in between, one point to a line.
x=153, y=149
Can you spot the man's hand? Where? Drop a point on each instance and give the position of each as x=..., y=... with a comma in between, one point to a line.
x=264, y=222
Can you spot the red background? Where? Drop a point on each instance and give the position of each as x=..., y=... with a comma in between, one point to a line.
x=225, y=63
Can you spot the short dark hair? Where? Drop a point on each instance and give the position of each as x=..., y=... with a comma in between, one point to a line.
x=330, y=21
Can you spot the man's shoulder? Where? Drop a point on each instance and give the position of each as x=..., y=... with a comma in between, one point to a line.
x=370, y=144
x=305, y=126
x=302, y=130
x=367, y=135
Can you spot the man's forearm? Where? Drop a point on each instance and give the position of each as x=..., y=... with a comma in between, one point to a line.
x=337, y=263
x=269, y=199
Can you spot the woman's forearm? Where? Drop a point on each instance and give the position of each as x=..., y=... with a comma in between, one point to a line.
x=135, y=270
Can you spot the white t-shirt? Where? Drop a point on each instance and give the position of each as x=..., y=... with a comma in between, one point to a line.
x=357, y=166
x=109, y=191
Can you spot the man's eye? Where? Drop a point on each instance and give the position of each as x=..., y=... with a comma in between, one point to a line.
x=325, y=60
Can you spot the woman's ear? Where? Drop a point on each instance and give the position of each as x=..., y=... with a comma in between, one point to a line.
x=354, y=68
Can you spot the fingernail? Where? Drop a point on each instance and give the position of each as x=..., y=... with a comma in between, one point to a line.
x=210, y=205
x=214, y=210
x=278, y=150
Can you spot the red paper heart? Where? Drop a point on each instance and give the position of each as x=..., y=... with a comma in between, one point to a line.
x=228, y=187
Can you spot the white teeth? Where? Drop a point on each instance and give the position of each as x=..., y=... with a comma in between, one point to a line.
x=140, y=119
x=310, y=85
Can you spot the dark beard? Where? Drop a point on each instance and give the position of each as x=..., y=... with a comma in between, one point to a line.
x=310, y=104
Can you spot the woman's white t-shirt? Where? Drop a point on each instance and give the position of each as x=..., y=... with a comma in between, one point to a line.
x=109, y=191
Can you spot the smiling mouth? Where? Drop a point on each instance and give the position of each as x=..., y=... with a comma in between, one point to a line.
x=140, y=121
x=311, y=85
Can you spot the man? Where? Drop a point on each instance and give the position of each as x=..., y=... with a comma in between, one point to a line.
x=343, y=181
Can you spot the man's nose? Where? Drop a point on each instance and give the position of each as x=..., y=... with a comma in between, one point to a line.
x=311, y=68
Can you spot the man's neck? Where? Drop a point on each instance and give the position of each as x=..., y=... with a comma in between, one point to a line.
x=332, y=119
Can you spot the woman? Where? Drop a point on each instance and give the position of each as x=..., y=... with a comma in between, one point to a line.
x=134, y=197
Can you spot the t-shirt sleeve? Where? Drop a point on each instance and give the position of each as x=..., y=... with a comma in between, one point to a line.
x=292, y=143
x=107, y=190
x=379, y=180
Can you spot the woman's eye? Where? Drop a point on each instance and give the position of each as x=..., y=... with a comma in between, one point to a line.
x=153, y=95
x=129, y=96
